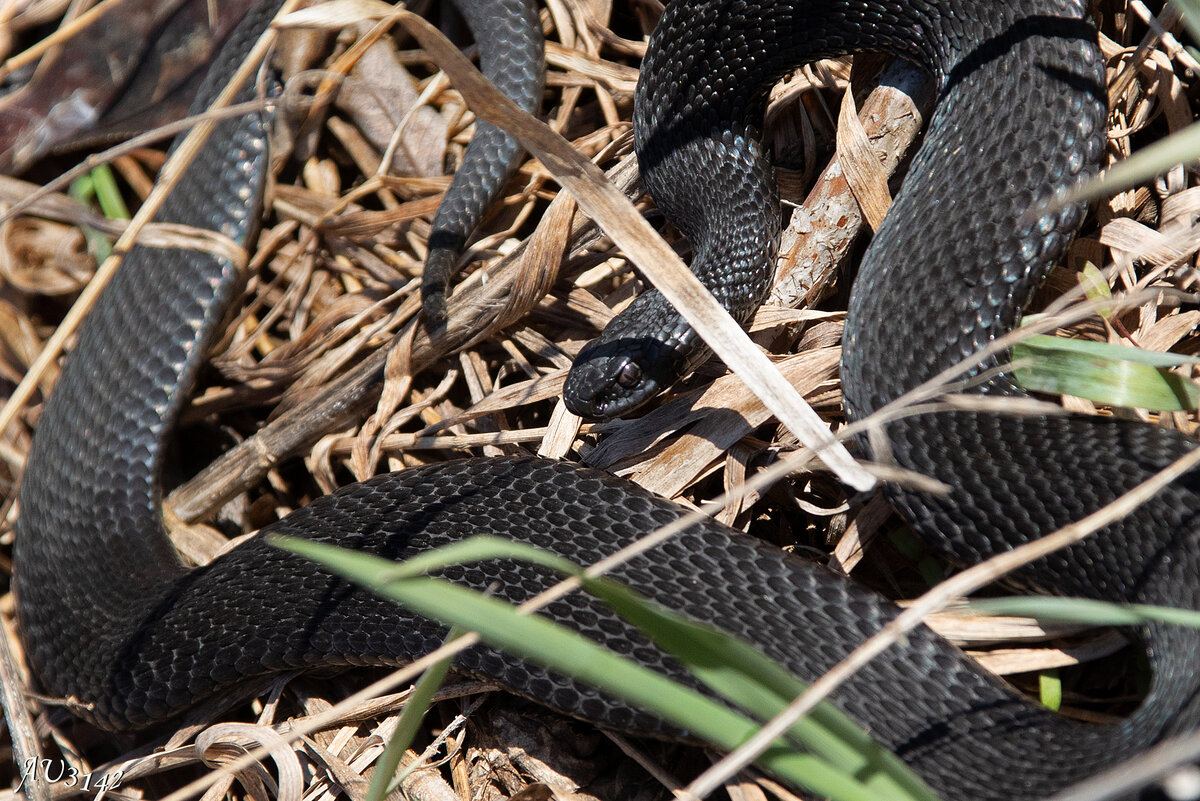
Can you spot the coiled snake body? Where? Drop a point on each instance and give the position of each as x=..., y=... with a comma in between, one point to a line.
x=112, y=618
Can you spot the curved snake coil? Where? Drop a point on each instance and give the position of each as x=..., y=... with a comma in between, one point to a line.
x=112, y=618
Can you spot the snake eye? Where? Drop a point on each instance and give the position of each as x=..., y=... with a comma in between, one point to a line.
x=629, y=375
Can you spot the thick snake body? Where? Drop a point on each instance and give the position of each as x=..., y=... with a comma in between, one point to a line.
x=112, y=619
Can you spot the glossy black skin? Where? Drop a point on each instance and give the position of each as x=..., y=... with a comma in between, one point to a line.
x=111, y=617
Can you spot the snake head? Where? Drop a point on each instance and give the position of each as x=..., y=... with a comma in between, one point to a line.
x=612, y=376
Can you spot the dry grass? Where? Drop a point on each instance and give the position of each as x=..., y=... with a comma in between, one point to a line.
x=334, y=283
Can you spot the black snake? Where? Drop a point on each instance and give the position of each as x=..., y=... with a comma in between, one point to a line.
x=111, y=618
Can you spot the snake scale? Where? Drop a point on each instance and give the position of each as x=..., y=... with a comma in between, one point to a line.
x=111, y=618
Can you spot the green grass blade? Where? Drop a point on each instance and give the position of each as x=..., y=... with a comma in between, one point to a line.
x=1095, y=289
x=100, y=185
x=1085, y=611
x=474, y=549
x=1180, y=147
x=108, y=194
x=741, y=674
x=1104, y=373
x=99, y=246
x=407, y=727
x=561, y=649
x=730, y=667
